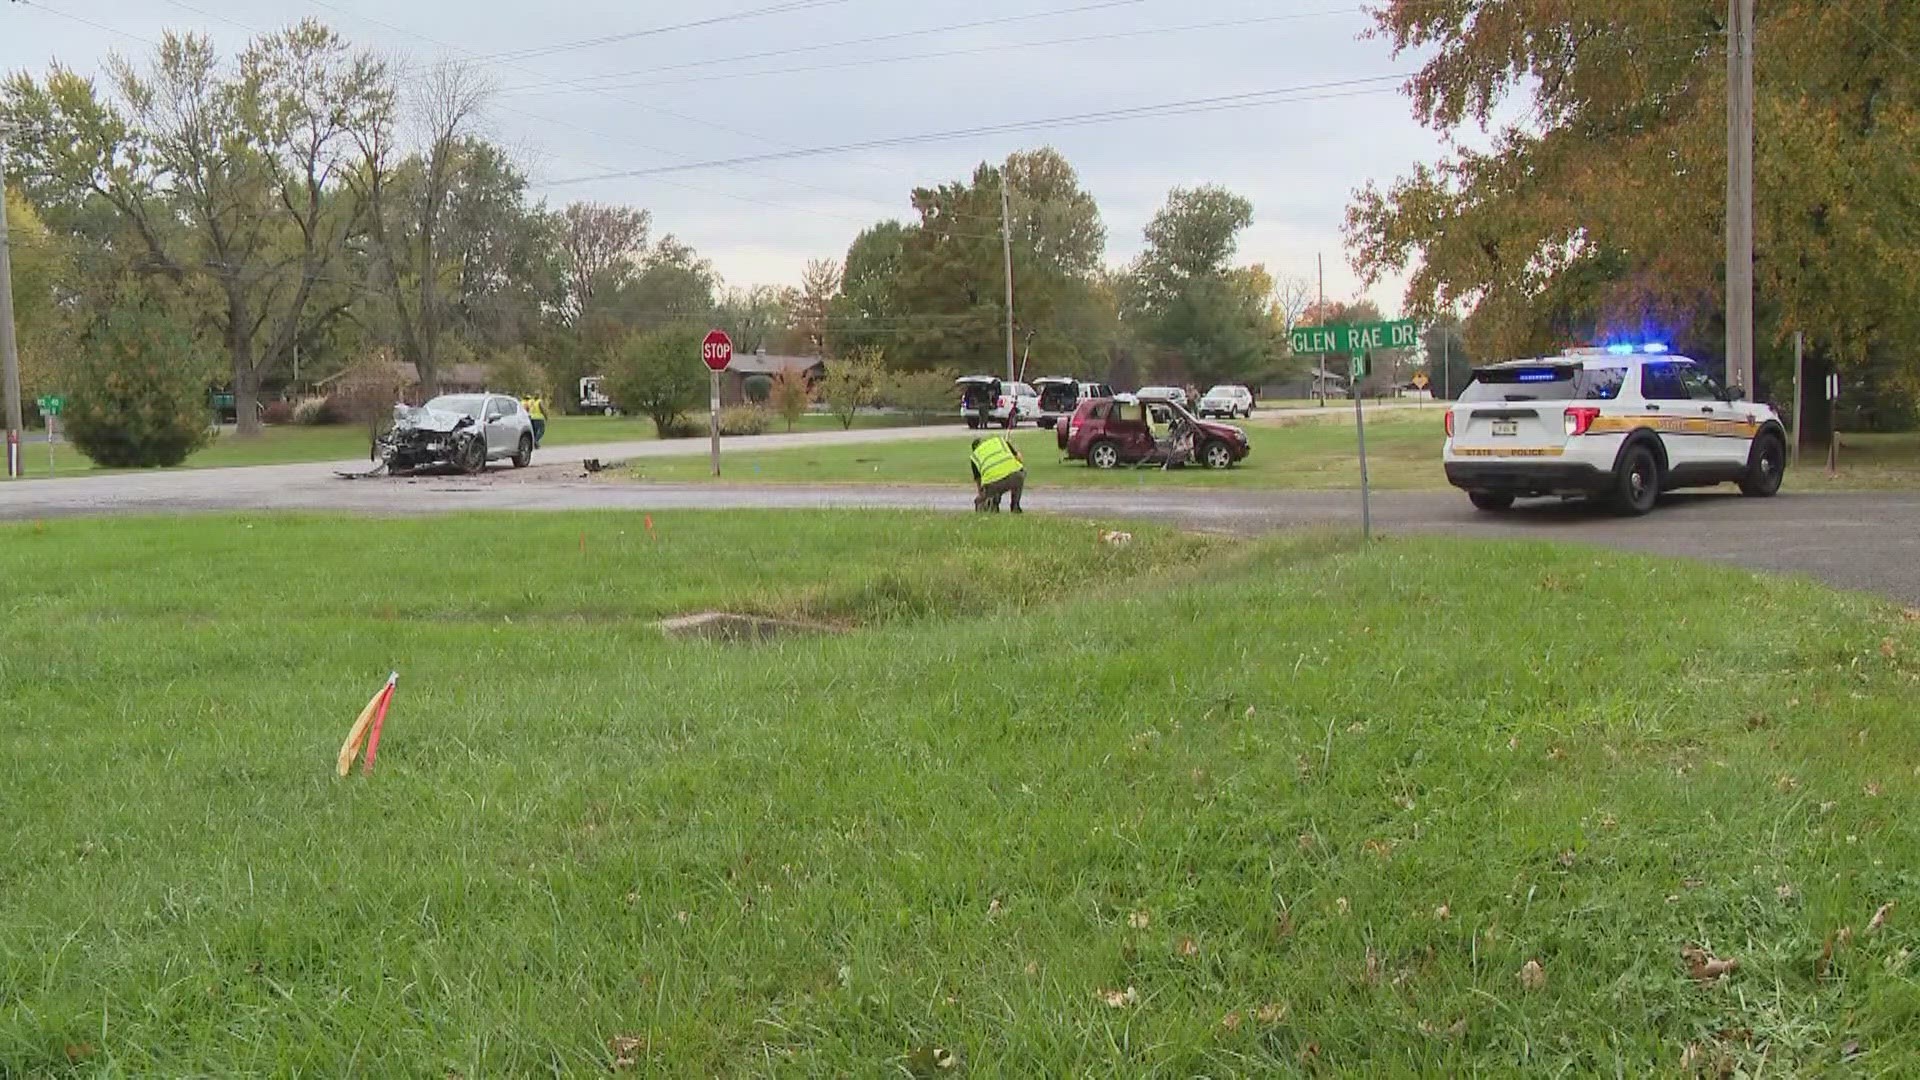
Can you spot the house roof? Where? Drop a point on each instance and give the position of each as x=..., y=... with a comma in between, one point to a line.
x=758, y=363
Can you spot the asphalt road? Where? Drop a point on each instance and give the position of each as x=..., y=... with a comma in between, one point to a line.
x=1869, y=542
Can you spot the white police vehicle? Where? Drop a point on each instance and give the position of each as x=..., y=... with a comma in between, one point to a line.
x=1622, y=424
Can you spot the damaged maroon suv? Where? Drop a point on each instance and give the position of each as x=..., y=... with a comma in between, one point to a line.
x=1109, y=432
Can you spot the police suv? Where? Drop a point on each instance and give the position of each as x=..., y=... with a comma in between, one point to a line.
x=1623, y=424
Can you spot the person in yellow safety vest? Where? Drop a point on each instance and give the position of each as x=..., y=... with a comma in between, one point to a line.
x=997, y=471
x=537, y=412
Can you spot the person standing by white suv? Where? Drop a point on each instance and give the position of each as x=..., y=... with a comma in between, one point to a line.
x=1622, y=424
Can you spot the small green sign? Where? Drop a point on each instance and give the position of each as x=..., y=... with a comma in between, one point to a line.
x=1358, y=338
x=51, y=404
x=1357, y=367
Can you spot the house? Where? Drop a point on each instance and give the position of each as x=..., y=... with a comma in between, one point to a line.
x=761, y=362
x=1313, y=384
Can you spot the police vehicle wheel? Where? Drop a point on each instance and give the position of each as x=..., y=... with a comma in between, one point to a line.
x=1103, y=455
x=1217, y=455
x=1486, y=500
x=1765, y=468
x=523, y=456
x=1636, y=486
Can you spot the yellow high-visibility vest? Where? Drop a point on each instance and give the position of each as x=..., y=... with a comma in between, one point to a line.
x=994, y=458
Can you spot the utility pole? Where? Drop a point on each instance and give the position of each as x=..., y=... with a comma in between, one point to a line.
x=1446, y=364
x=9, y=349
x=1320, y=387
x=1740, y=194
x=1799, y=378
x=1006, y=253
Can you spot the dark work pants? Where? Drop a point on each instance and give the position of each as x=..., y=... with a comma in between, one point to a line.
x=539, y=431
x=990, y=495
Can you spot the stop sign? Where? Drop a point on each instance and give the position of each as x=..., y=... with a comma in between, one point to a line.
x=717, y=350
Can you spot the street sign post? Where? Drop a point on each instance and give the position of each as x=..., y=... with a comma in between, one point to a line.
x=1357, y=340
x=716, y=352
x=50, y=408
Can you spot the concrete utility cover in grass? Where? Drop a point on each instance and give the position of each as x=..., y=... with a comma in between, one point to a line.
x=729, y=627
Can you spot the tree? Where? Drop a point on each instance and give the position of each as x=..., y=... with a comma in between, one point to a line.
x=869, y=306
x=414, y=261
x=756, y=318
x=674, y=287
x=139, y=388
x=790, y=395
x=1603, y=215
x=1449, y=364
x=600, y=248
x=224, y=179
x=1205, y=319
x=813, y=307
x=514, y=372
x=924, y=394
x=40, y=267
x=657, y=374
x=853, y=383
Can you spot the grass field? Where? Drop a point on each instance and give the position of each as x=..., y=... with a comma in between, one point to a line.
x=289, y=443
x=1192, y=806
x=1309, y=453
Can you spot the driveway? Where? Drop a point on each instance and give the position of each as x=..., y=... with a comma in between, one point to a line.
x=1869, y=542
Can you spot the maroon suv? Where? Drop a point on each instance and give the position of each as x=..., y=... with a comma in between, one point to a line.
x=1107, y=432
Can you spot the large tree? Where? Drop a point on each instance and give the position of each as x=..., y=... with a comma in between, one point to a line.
x=224, y=176
x=600, y=249
x=1603, y=214
x=1203, y=318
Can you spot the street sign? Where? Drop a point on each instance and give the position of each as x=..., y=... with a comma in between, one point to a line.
x=1420, y=380
x=717, y=350
x=51, y=404
x=1357, y=367
x=1357, y=338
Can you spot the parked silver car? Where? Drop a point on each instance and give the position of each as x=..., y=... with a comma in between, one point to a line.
x=461, y=430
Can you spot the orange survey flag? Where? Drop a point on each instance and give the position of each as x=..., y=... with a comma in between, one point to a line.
x=369, y=720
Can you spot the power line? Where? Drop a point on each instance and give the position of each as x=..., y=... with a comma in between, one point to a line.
x=1171, y=108
x=609, y=39
x=975, y=24
x=82, y=20
x=866, y=61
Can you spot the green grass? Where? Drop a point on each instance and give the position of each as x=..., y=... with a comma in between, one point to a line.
x=1403, y=453
x=285, y=444
x=1867, y=463
x=1241, y=779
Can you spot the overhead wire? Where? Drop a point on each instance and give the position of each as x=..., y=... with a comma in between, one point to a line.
x=630, y=35
x=533, y=89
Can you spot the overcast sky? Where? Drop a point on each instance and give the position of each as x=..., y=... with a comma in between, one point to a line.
x=700, y=93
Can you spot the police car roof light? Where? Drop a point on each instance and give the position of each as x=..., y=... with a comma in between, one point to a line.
x=1657, y=348
x=1620, y=350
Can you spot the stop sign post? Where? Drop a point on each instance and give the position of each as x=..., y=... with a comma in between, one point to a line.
x=716, y=352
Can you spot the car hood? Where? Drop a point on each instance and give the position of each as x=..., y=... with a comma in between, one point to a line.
x=1225, y=431
x=428, y=420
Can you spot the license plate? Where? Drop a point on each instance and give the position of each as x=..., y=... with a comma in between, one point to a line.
x=1506, y=427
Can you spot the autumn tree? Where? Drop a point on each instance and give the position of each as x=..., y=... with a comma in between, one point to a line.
x=1604, y=214
x=224, y=176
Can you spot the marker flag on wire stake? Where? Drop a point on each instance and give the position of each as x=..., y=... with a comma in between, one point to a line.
x=368, y=723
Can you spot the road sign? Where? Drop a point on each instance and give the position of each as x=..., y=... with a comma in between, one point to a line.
x=51, y=404
x=717, y=350
x=1357, y=367
x=1357, y=338
x=1420, y=380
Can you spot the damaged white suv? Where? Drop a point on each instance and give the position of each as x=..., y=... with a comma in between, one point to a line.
x=464, y=431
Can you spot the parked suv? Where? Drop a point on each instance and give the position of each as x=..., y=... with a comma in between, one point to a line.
x=1227, y=402
x=1059, y=397
x=1622, y=424
x=1108, y=432
x=987, y=402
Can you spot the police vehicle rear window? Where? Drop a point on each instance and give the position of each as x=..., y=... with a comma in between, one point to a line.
x=1548, y=382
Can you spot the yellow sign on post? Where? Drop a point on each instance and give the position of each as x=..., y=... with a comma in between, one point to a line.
x=1419, y=380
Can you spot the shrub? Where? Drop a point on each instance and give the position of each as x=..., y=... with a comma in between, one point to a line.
x=757, y=388
x=925, y=394
x=658, y=375
x=139, y=389
x=681, y=427
x=853, y=383
x=744, y=420
x=315, y=411
x=277, y=412
x=513, y=372
x=790, y=396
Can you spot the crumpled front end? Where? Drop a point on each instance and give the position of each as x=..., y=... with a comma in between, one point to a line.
x=422, y=438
